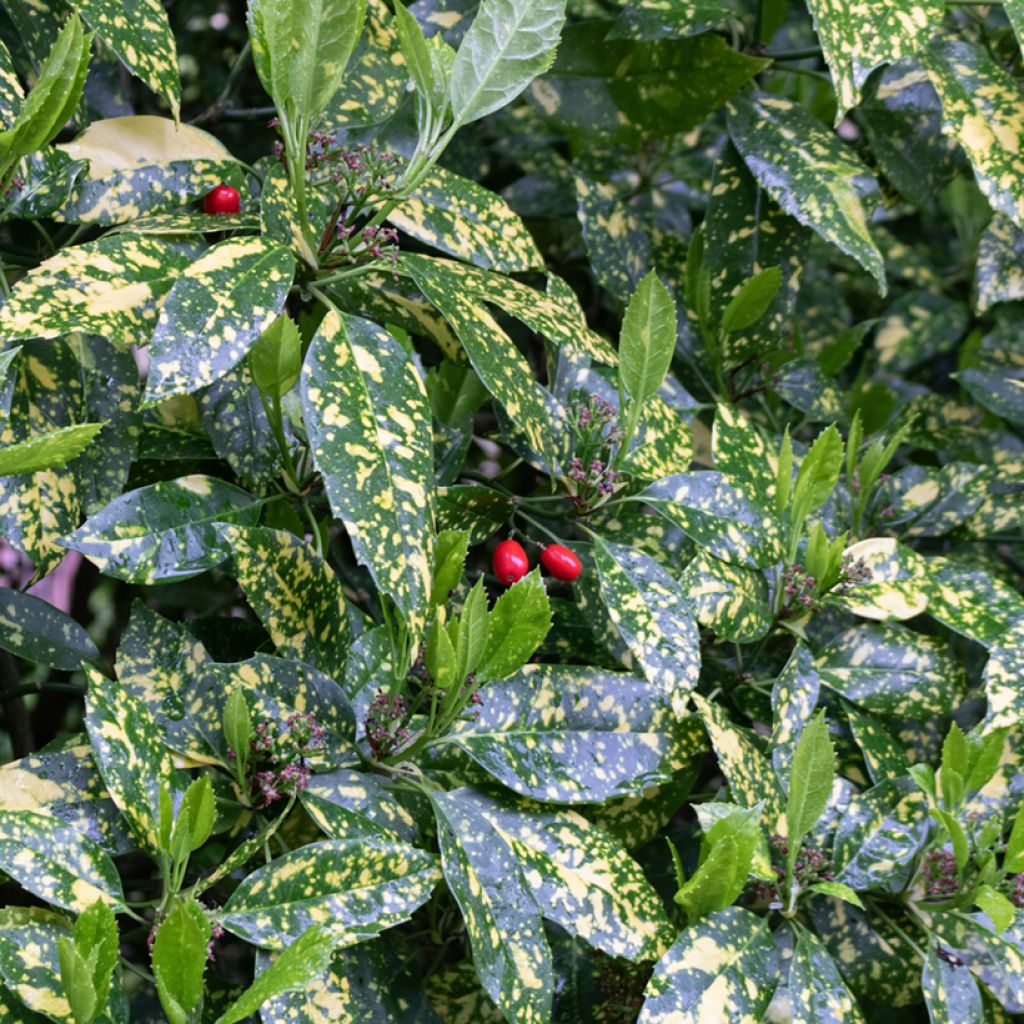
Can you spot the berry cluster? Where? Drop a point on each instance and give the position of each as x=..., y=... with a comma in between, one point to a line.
x=385, y=723
x=511, y=563
x=596, y=436
x=940, y=874
x=278, y=758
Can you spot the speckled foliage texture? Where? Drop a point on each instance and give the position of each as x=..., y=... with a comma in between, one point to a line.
x=723, y=297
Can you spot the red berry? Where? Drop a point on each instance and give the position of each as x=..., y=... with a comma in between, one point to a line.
x=510, y=561
x=561, y=562
x=222, y=199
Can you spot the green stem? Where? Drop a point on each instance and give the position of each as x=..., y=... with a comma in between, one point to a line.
x=32, y=689
x=536, y=525
x=341, y=275
x=798, y=54
x=217, y=107
x=272, y=407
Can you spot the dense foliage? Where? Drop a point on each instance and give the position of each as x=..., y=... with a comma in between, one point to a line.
x=525, y=527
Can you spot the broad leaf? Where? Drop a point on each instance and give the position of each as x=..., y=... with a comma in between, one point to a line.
x=648, y=339
x=816, y=989
x=179, y=959
x=34, y=629
x=516, y=626
x=811, y=774
x=731, y=600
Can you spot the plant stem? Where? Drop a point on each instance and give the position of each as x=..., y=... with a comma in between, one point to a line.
x=798, y=54
x=217, y=106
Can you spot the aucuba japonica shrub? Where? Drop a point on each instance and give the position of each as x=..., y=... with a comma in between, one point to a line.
x=511, y=511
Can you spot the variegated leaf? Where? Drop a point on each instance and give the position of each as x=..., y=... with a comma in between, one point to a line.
x=888, y=669
x=456, y=994
x=919, y=326
x=731, y=600
x=579, y=876
x=561, y=734
x=973, y=603
x=366, y=412
x=951, y=992
x=140, y=34
x=57, y=863
x=348, y=803
x=111, y=287
x=745, y=233
x=816, y=989
x=353, y=888
x=794, y=698
x=999, y=272
x=11, y=91
x=717, y=516
x=467, y=221
x=658, y=19
x=883, y=755
x=1001, y=679
x=165, y=531
x=502, y=368
x=129, y=752
x=215, y=312
x=503, y=921
x=740, y=451
x=36, y=630
x=723, y=968
x=982, y=111
x=472, y=507
x=652, y=615
x=809, y=172
x=858, y=37
x=898, y=587
x=295, y=594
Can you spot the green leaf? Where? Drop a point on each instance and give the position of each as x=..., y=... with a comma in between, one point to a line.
x=725, y=963
x=165, y=531
x=97, y=936
x=816, y=989
x=366, y=412
x=656, y=19
x=856, y=40
x=752, y=301
x=950, y=993
x=214, y=314
x=294, y=593
x=416, y=52
x=466, y=220
x=653, y=617
x=129, y=752
x=503, y=921
x=304, y=960
x=30, y=963
x=818, y=475
x=141, y=36
x=354, y=888
x=508, y=44
x=47, y=451
x=57, y=863
x=999, y=909
x=449, y=561
x=516, y=627
x=110, y=287
x=275, y=361
x=194, y=820
x=717, y=516
x=808, y=172
x=648, y=339
x=33, y=629
x=980, y=108
x=179, y=959
x=301, y=51
x=504, y=371
x=76, y=981
x=837, y=889
x=995, y=391
x=539, y=729
x=810, y=782
x=1014, y=858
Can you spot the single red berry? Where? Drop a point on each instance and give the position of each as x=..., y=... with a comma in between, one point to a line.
x=222, y=199
x=510, y=561
x=561, y=562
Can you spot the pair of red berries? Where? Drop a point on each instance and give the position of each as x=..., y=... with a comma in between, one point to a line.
x=511, y=563
x=222, y=199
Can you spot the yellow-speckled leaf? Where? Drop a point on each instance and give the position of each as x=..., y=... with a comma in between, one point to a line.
x=809, y=172
x=11, y=92
x=857, y=37
x=579, y=876
x=140, y=34
x=816, y=989
x=747, y=770
x=658, y=19
x=731, y=600
x=66, y=786
x=368, y=420
x=111, y=287
x=794, y=698
x=724, y=968
x=540, y=311
x=295, y=594
x=353, y=888
x=973, y=603
x=348, y=803
x=164, y=531
x=1002, y=681
x=34, y=629
x=999, y=272
x=215, y=312
x=464, y=219
x=982, y=110
x=456, y=994
x=504, y=371
x=129, y=752
x=653, y=616
x=718, y=516
x=562, y=734
x=897, y=588
x=740, y=451
x=190, y=222
x=503, y=921
x=57, y=863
